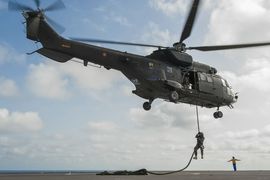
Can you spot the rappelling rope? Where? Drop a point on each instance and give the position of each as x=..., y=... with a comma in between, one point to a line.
x=177, y=171
x=198, y=120
x=172, y=172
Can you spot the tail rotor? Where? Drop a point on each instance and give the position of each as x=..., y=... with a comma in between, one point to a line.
x=13, y=5
x=37, y=2
x=58, y=5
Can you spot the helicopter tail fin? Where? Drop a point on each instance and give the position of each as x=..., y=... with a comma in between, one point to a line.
x=37, y=29
x=32, y=26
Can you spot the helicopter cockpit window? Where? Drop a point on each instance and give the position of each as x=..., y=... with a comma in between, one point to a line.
x=202, y=77
x=229, y=91
x=169, y=69
x=227, y=84
x=151, y=65
x=223, y=82
x=209, y=79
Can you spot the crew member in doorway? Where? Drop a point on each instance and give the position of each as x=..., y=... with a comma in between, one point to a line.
x=233, y=160
x=186, y=82
x=199, y=145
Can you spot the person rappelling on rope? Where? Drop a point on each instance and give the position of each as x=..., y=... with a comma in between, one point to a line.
x=199, y=145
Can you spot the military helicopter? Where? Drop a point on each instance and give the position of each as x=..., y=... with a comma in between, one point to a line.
x=168, y=73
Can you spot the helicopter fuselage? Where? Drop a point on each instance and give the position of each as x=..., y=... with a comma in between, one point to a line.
x=166, y=74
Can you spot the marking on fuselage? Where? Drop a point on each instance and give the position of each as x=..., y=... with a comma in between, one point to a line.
x=66, y=45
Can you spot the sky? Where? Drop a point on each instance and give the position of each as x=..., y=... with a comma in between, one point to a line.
x=69, y=117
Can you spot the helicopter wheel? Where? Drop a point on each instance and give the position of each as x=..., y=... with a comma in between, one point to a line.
x=174, y=96
x=218, y=114
x=147, y=106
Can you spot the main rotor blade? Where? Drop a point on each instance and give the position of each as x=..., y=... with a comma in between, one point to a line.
x=116, y=42
x=59, y=28
x=37, y=2
x=15, y=6
x=227, y=47
x=190, y=21
x=58, y=5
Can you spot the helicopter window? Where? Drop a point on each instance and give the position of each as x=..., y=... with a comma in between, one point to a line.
x=227, y=84
x=169, y=69
x=151, y=65
x=223, y=82
x=229, y=91
x=209, y=79
x=202, y=77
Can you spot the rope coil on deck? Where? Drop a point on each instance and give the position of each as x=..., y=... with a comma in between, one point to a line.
x=172, y=172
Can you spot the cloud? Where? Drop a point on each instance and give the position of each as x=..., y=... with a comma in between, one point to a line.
x=8, y=88
x=39, y=150
x=89, y=22
x=89, y=78
x=19, y=122
x=111, y=12
x=46, y=81
x=157, y=35
x=3, y=5
x=127, y=90
x=152, y=119
x=170, y=7
x=103, y=133
x=254, y=75
x=166, y=115
x=266, y=130
x=102, y=126
x=9, y=55
x=243, y=135
x=134, y=147
x=250, y=141
x=56, y=81
x=153, y=34
x=119, y=19
x=239, y=21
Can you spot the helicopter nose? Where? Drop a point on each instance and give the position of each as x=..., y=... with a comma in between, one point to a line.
x=235, y=98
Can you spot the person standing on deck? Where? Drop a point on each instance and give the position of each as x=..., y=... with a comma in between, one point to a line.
x=233, y=160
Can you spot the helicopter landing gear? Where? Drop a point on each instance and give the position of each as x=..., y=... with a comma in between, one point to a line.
x=174, y=96
x=147, y=105
x=218, y=114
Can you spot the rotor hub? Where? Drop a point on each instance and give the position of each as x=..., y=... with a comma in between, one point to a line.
x=181, y=47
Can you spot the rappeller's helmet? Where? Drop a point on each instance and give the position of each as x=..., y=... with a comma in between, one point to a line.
x=200, y=134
